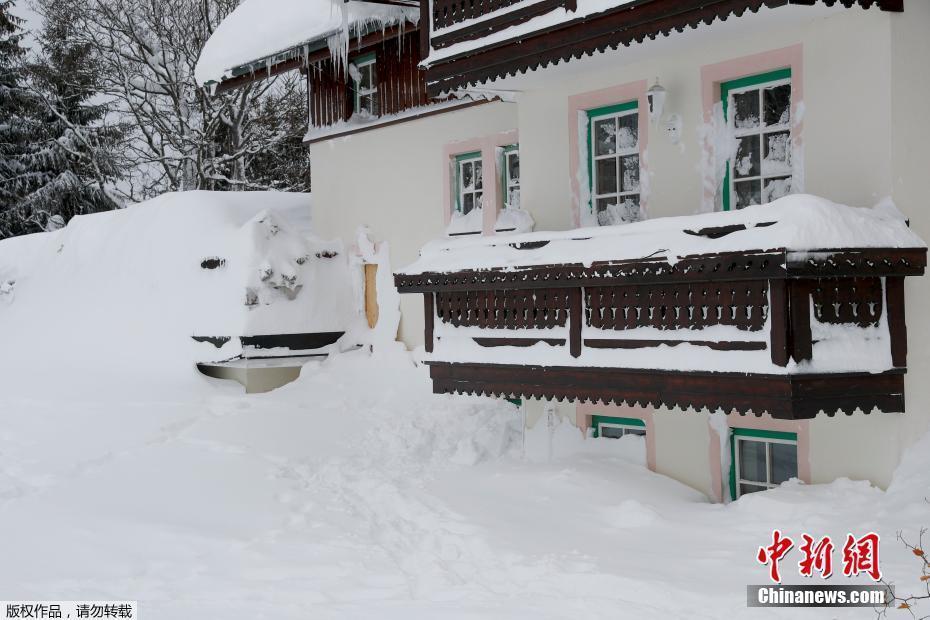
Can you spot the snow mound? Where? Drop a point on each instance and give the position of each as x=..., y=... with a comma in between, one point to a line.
x=795, y=223
x=258, y=30
x=122, y=293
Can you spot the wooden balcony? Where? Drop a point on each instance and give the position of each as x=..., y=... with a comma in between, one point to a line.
x=777, y=332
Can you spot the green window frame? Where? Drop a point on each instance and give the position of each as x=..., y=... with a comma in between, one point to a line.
x=464, y=162
x=760, y=436
x=510, y=182
x=366, y=97
x=776, y=135
x=627, y=426
x=620, y=182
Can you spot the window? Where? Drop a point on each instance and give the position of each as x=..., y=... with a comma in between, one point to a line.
x=758, y=111
x=469, y=182
x=615, y=428
x=511, y=177
x=365, y=76
x=613, y=163
x=761, y=460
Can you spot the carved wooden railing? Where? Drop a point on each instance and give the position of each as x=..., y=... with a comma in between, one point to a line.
x=772, y=297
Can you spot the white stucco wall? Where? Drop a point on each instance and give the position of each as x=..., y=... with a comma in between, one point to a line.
x=847, y=122
x=391, y=180
x=682, y=447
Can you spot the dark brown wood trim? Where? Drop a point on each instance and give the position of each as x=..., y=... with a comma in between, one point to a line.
x=852, y=262
x=778, y=322
x=429, y=318
x=791, y=397
x=424, y=28
x=897, y=323
x=726, y=266
x=518, y=342
x=629, y=343
x=379, y=125
x=632, y=22
x=574, y=321
x=799, y=330
x=296, y=342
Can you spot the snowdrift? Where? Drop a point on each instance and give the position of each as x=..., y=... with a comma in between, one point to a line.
x=121, y=294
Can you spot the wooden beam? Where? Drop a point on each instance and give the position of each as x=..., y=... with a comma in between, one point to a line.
x=429, y=316
x=574, y=321
x=783, y=396
x=897, y=325
x=778, y=321
x=799, y=309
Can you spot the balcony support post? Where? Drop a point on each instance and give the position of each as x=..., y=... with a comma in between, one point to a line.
x=778, y=322
x=800, y=341
x=897, y=327
x=429, y=316
x=574, y=321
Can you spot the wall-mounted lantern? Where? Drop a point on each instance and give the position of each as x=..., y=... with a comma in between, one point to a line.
x=656, y=97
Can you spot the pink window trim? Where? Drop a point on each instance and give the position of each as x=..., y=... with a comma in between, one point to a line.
x=492, y=196
x=712, y=76
x=585, y=411
x=581, y=103
x=762, y=423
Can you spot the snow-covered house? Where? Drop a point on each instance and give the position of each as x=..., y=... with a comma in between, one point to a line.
x=621, y=114
x=376, y=137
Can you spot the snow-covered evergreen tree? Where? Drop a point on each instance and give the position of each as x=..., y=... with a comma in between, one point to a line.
x=17, y=122
x=70, y=160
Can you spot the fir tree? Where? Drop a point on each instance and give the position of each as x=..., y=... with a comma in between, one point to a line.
x=17, y=124
x=70, y=161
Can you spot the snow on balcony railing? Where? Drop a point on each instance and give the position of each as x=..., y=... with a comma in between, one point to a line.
x=788, y=293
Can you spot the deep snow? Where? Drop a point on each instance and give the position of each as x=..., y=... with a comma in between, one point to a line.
x=355, y=492
x=352, y=493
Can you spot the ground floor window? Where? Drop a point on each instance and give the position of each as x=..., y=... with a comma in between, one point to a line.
x=615, y=428
x=761, y=460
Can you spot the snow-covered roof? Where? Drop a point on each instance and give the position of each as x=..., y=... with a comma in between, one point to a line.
x=795, y=223
x=258, y=31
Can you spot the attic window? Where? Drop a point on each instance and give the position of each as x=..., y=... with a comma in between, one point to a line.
x=365, y=75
